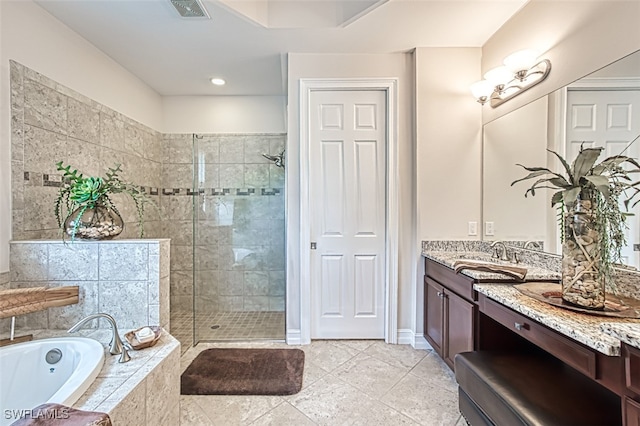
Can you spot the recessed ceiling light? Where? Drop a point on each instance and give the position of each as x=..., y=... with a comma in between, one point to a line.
x=218, y=81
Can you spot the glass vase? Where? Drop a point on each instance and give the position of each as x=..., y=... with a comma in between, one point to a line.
x=582, y=283
x=98, y=223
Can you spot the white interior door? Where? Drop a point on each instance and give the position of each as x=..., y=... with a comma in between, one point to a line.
x=347, y=181
x=609, y=119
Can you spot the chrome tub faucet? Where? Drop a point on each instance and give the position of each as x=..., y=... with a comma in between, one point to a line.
x=115, y=346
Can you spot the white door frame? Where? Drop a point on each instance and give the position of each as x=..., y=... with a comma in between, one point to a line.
x=389, y=85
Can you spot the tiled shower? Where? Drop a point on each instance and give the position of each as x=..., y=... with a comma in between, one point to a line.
x=220, y=201
x=223, y=203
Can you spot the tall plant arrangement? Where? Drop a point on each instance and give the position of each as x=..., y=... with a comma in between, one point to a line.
x=592, y=224
x=83, y=206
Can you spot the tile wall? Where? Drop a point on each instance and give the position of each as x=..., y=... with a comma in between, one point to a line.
x=49, y=123
x=239, y=232
x=4, y=281
x=128, y=279
x=239, y=246
x=143, y=392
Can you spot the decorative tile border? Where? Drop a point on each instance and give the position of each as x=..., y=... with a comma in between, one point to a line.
x=52, y=180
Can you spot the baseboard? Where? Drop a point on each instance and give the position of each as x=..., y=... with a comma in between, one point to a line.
x=417, y=341
x=421, y=343
x=405, y=337
x=294, y=336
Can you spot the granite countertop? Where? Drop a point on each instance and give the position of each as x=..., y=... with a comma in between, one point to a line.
x=447, y=258
x=598, y=332
x=629, y=333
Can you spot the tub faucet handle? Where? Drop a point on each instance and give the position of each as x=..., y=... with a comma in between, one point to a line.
x=124, y=356
x=115, y=345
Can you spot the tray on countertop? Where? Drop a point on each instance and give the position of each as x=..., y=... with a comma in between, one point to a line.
x=136, y=344
x=551, y=293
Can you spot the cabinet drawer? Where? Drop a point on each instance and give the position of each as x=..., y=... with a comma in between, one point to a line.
x=632, y=368
x=577, y=356
x=448, y=278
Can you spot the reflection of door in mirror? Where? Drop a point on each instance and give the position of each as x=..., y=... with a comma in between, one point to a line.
x=608, y=119
x=519, y=137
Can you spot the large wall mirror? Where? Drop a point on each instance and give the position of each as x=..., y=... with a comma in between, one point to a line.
x=601, y=109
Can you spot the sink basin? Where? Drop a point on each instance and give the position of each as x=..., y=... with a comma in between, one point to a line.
x=496, y=267
x=480, y=256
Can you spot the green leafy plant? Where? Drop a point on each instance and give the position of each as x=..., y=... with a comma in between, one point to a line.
x=605, y=183
x=79, y=194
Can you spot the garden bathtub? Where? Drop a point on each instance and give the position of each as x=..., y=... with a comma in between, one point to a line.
x=55, y=370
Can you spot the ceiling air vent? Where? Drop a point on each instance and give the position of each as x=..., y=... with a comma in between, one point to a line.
x=190, y=9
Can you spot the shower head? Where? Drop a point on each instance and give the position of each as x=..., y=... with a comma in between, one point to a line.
x=278, y=160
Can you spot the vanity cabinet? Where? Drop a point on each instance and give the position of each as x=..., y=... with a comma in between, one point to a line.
x=632, y=382
x=450, y=314
x=632, y=412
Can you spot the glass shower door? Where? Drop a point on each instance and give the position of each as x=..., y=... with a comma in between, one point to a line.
x=238, y=244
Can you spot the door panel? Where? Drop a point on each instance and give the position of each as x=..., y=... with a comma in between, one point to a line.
x=434, y=316
x=332, y=286
x=367, y=203
x=348, y=204
x=460, y=314
x=332, y=188
x=365, y=280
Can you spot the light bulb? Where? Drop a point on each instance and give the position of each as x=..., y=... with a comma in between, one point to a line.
x=521, y=62
x=499, y=76
x=481, y=90
x=218, y=81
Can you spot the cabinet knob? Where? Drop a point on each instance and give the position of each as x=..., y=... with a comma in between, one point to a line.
x=518, y=326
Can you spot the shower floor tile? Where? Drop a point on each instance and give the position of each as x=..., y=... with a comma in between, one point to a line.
x=229, y=326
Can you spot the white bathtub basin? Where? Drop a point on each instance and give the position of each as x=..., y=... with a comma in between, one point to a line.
x=28, y=380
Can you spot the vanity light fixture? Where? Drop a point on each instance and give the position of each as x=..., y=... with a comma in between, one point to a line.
x=218, y=81
x=521, y=71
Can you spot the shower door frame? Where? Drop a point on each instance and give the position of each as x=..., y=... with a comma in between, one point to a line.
x=389, y=85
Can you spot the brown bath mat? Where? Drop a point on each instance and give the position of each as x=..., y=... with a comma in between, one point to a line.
x=244, y=372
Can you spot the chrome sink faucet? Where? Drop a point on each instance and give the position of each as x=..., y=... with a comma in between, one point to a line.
x=532, y=245
x=496, y=246
x=115, y=346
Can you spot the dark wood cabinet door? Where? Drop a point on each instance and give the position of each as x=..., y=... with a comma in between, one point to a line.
x=459, y=326
x=632, y=412
x=434, y=315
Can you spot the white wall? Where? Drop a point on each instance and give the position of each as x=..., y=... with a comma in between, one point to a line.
x=224, y=114
x=578, y=37
x=449, y=143
x=32, y=37
x=354, y=66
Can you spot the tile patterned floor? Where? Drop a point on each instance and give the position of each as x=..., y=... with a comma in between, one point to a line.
x=240, y=326
x=346, y=382
x=226, y=326
x=182, y=328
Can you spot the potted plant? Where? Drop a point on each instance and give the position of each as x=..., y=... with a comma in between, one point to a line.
x=591, y=221
x=84, y=208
